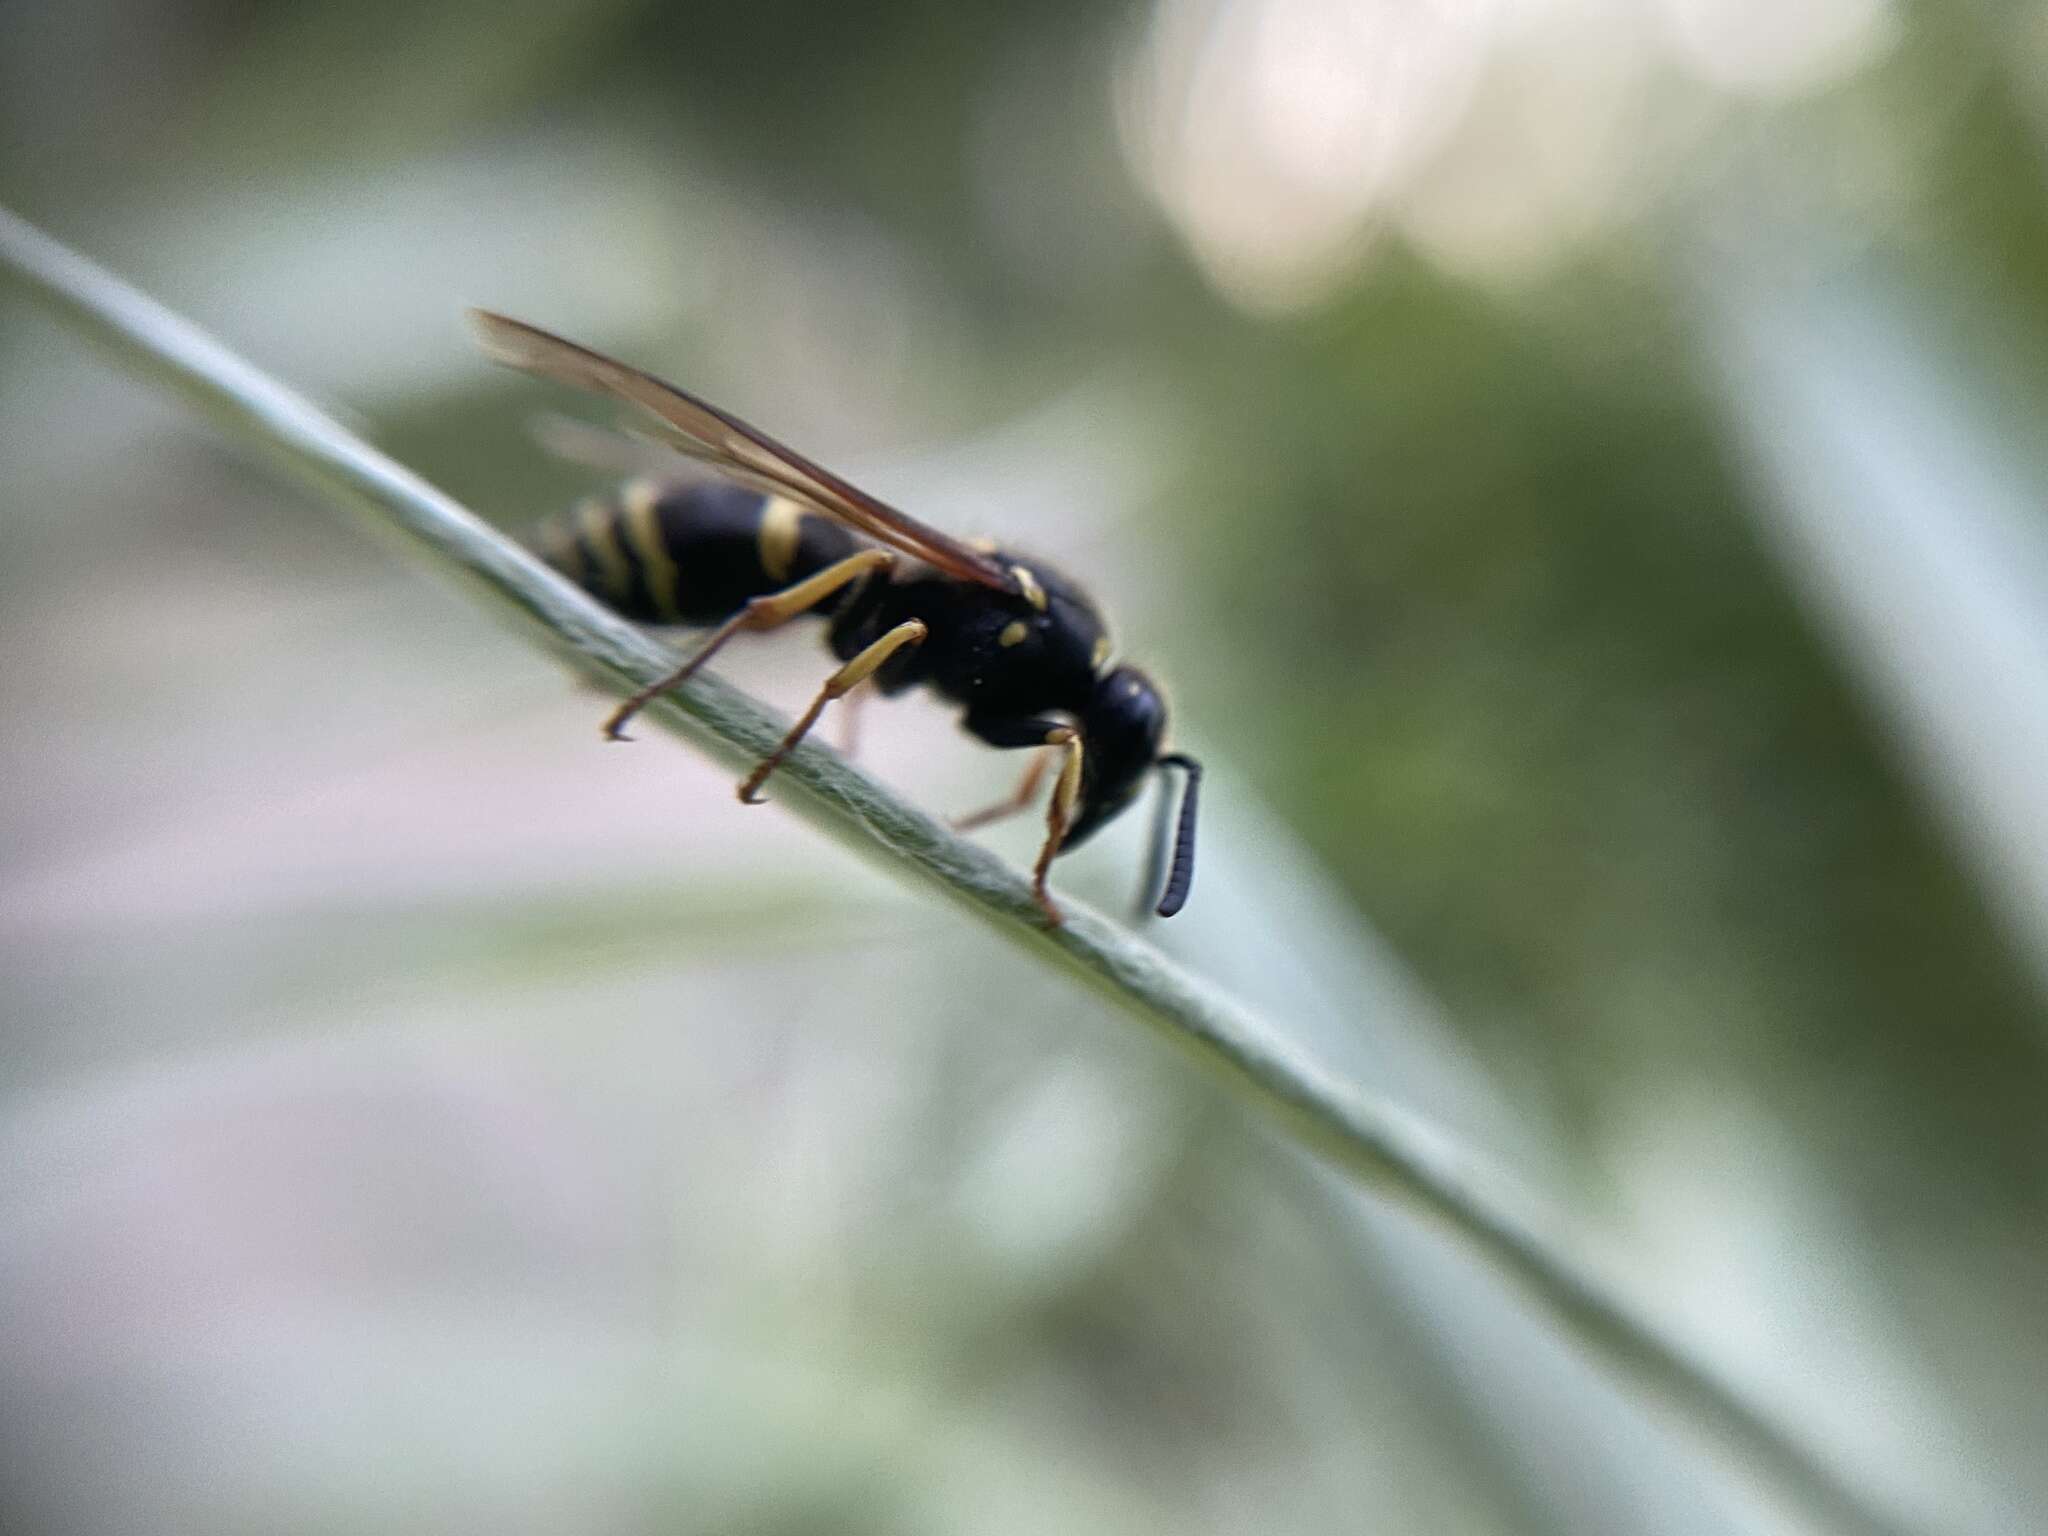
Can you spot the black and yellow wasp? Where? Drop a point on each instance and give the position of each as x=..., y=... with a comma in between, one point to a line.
x=778, y=537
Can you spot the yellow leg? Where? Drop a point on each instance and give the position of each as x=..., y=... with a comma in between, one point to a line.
x=1019, y=801
x=759, y=613
x=847, y=678
x=1059, y=815
x=849, y=730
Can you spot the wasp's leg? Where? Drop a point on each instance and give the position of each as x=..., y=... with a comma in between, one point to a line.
x=759, y=613
x=1019, y=800
x=847, y=678
x=1038, y=731
x=849, y=729
x=1059, y=815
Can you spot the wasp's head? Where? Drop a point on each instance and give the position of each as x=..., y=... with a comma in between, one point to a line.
x=1120, y=731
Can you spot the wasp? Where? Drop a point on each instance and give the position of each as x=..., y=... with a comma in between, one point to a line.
x=775, y=537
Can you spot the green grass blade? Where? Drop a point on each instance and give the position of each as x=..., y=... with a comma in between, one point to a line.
x=1392, y=1153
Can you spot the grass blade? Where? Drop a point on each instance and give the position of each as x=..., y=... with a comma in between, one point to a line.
x=1399, y=1158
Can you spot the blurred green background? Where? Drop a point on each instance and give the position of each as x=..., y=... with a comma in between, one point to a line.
x=1575, y=462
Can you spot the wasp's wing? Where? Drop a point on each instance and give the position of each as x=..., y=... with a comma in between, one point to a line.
x=728, y=444
x=628, y=454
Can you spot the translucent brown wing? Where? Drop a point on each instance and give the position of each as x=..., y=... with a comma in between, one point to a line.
x=731, y=446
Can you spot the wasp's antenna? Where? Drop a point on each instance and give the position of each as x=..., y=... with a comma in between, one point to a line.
x=1155, y=847
x=1183, y=873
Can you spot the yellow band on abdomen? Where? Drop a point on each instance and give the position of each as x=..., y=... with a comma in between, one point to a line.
x=782, y=525
x=643, y=527
x=596, y=522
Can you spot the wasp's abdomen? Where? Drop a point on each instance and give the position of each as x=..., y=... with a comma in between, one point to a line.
x=689, y=553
